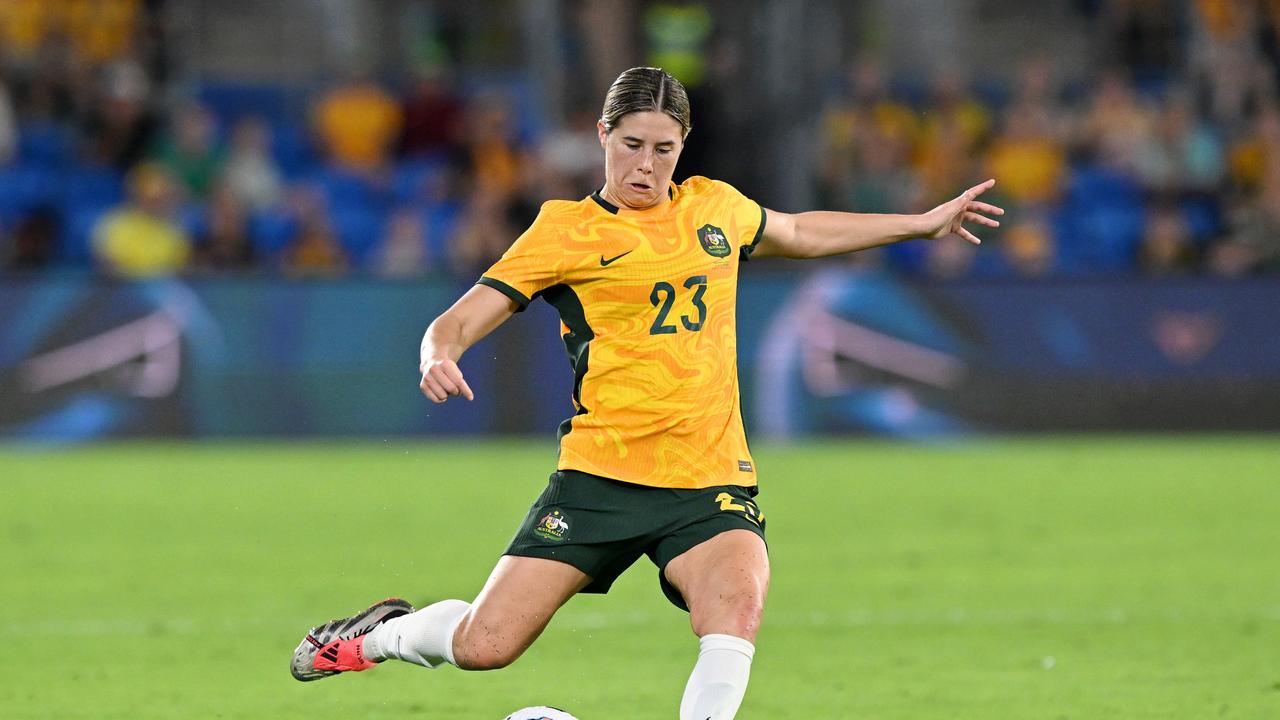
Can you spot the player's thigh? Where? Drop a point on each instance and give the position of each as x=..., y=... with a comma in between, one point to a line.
x=724, y=581
x=518, y=600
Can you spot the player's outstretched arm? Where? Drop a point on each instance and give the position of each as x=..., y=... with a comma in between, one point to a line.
x=820, y=234
x=476, y=314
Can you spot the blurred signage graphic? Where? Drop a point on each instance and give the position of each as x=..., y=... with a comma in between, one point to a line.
x=835, y=352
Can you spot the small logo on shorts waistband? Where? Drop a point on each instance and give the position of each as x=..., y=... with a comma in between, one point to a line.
x=553, y=526
x=744, y=466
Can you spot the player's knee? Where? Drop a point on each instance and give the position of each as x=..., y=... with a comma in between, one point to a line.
x=739, y=615
x=746, y=617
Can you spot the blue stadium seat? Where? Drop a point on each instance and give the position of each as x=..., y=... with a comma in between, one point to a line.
x=1203, y=215
x=193, y=218
x=527, y=103
x=91, y=186
x=231, y=101
x=272, y=230
x=440, y=222
x=359, y=230
x=410, y=177
x=1100, y=223
x=344, y=188
x=293, y=149
x=24, y=188
x=45, y=144
x=75, y=247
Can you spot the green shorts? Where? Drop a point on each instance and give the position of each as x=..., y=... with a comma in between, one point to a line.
x=602, y=526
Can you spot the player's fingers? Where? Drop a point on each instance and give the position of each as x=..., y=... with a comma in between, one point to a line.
x=981, y=219
x=432, y=389
x=459, y=382
x=986, y=208
x=442, y=378
x=968, y=236
x=980, y=188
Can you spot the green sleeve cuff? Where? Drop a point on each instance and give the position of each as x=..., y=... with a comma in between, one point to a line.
x=748, y=249
x=507, y=290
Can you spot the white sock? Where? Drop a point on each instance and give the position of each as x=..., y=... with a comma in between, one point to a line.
x=424, y=638
x=719, y=680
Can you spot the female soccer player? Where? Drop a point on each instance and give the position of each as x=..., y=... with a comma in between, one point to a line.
x=655, y=460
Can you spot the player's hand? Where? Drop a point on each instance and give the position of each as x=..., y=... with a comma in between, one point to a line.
x=441, y=379
x=949, y=217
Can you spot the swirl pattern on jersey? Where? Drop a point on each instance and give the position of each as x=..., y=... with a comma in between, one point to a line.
x=647, y=303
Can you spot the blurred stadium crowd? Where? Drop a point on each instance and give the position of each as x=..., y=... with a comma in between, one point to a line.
x=1165, y=161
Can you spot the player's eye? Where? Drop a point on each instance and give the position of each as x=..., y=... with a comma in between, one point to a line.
x=663, y=150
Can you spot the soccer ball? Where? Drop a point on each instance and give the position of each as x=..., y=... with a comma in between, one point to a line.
x=540, y=713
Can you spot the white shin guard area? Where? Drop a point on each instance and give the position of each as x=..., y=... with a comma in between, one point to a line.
x=719, y=679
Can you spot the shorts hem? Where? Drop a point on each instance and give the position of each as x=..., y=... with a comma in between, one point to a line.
x=549, y=553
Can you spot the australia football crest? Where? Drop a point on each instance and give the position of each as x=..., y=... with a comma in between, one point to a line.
x=553, y=526
x=714, y=241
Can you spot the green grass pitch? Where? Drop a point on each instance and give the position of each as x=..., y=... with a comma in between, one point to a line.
x=1053, y=578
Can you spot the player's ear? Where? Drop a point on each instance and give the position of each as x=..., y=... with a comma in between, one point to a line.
x=601, y=131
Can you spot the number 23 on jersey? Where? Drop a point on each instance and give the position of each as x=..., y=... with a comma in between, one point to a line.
x=664, y=297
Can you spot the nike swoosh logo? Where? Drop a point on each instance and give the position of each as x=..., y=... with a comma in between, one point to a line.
x=606, y=263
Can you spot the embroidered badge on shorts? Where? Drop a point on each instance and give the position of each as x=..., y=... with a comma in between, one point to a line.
x=553, y=526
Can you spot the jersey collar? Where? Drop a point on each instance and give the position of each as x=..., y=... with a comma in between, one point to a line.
x=614, y=209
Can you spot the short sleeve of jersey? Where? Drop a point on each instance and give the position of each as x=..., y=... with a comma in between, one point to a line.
x=749, y=215
x=533, y=263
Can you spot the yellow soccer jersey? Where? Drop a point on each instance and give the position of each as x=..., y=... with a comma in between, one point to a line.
x=647, y=303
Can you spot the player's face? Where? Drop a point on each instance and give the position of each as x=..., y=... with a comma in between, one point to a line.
x=639, y=157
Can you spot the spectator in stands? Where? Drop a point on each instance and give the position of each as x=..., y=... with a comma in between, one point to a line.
x=32, y=241
x=250, y=173
x=1028, y=246
x=1181, y=155
x=1255, y=156
x=358, y=124
x=8, y=125
x=1038, y=94
x=58, y=86
x=433, y=115
x=225, y=244
x=121, y=125
x=1253, y=244
x=141, y=238
x=949, y=263
x=315, y=250
x=1166, y=247
x=492, y=149
x=484, y=232
x=863, y=113
x=1223, y=58
x=570, y=154
x=189, y=150
x=403, y=252
x=1115, y=126
x=880, y=179
x=952, y=133
x=1253, y=241
x=1032, y=163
